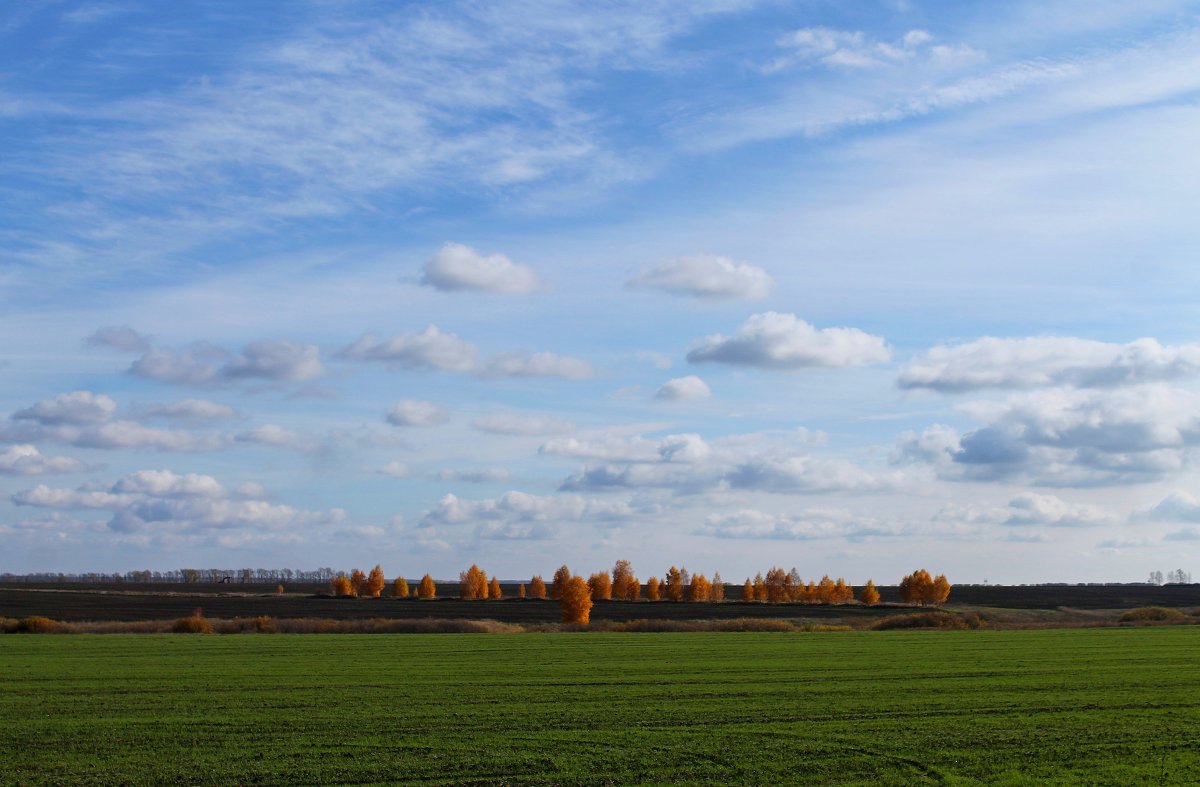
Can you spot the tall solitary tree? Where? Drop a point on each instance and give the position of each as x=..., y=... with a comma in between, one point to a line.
x=869, y=595
x=575, y=601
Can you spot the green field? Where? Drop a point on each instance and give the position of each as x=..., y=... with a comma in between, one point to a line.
x=1119, y=706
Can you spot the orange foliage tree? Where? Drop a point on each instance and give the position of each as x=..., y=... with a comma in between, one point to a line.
x=494, y=590
x=652, y=589
x=575, y=601
x=342, y=586
x=374, y=583
x=748, y=590
x=760, y=588
x=673, y=585
x=699, y=588
x=625, y=585
x=473, y=583
x=920, y=588
x=359, y=580
x=600, y=585
x=400, y=588
x=869, y=595
x=537, y=588
x=716, y=591
x=427, y=588
x=561, y=577
x=521, y=590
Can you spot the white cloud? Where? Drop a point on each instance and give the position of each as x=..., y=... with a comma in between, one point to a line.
x=519, y=515
x=528, y=424
x=808, y=525
x=783, y=341
x=196, y=365
x=193, y=411
x=541, y=364
x=77, y=407
x=706, y=276
x=193, y=504
x=120, y=338
x=277, y=360
x=682, y=389
x=429, y=349
x=1028, y=509
x=1176, y=507
x=275, y=436
x=457, y=267
x=1048, y=361
x=409, y=412
x=24, y=459
x=486, y=475
x=845, y=49
x=395, y=469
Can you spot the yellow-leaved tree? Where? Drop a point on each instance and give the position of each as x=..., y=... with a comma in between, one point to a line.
x=561, y=577
x=400, y=588
x=699, y=588
x=920, y=588
x=375, y=583
x=342, y=586
x=494, y=590
x=748, y=590
x=673, y=585
x=625, y=585
x=521, y=590
x=575, y=600
x=426, y=588
x=653, y=589
x=359, y=580
x=537, y=588
x=869, y=595
x=600, y=585
x=716, y=591
x=473, y=583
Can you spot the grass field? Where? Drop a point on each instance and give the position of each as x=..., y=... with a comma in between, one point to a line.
x=1119, y=706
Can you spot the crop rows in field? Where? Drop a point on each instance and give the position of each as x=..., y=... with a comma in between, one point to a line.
x=1100, y=706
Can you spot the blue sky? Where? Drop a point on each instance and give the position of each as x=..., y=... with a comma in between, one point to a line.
x=851, y=287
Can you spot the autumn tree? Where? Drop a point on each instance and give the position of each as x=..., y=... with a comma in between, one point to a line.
x=673, y=586
x=652, y=589
x=473, y=583
x=748, y=590
x=374, y=583
x=778, y=585
x=521, y=590
x=842, y=592
x=716, y=591
x=575, y=600
x=561, y=577
x=825, y=590
x=426, y=588
x=760, y=588
x=600, y=585
x=537, y=588
x=400, y=588
x=625, y=585
x=279, y=590
x=494, y=590
x=699, y=588
x=342, y=586
x=795, y=585
x=359, y=580
x=920, y=588
x=869, y=595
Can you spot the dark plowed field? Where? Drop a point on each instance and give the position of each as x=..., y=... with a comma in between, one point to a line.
x=88, y=602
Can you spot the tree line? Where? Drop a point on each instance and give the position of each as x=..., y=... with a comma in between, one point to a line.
x=678, y=584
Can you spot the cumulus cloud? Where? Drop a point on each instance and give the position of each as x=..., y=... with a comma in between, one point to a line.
x=24, y=459
x=275, y=360
x=808, y=525
x=409, y=412
x=706, y=276
x=527, y=424
x=541, y=364
x=120, y=337
x=1028, y=509
x=77, y=407
x=197, y=364
x=456, y=267
x=1047, y=361
x=682, y=389
x=519, y=515
x=429, y=349
x=1176, y=507
x=1066, y=437
x=193, y=411
x=783, y=341
x=157, y=500
x=275, y=436
x=486, y=475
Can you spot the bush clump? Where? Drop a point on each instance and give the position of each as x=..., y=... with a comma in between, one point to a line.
x=34, y=625
x=194, y=623
x=263, y=624
x=930, y=620
x=1151, y=615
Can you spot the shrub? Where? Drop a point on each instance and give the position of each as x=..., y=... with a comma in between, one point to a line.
x=261, y=624
x=194, y=623
x=279, y=590
x=930, y=620
x=1151, y=614
x=37, y=625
